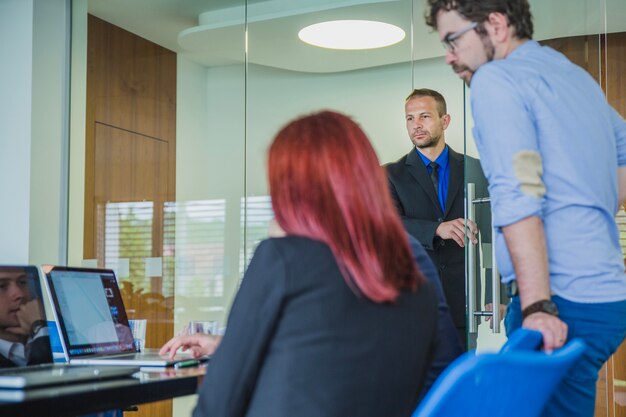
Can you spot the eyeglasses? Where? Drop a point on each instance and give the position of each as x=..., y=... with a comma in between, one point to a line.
x=448, y=41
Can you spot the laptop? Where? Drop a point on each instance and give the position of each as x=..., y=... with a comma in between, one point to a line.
x=22, y=297
x=93, y=323
x=37, y=376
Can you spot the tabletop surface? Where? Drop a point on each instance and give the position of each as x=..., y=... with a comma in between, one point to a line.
x=75, y=399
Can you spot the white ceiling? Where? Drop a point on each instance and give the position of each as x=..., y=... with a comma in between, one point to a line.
x=211, y=32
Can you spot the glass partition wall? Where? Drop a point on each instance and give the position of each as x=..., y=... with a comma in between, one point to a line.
x=175, y=103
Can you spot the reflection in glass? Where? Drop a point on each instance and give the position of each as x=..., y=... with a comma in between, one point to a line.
x=200, y=234
x=24, y=335
x=256, y=214
x=127, y=237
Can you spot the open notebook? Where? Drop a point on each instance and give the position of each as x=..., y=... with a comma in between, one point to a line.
x=93, y=322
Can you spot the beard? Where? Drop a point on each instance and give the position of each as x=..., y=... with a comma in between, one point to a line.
x=428, y=142
x=464, y=73
x=490, y=50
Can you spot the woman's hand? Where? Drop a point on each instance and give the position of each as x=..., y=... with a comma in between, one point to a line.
x=199, y=345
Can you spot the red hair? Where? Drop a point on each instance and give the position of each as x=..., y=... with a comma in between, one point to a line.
x=326, y=184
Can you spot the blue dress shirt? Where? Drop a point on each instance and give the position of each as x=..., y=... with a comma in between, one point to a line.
x=550, y=146
x=444, y=174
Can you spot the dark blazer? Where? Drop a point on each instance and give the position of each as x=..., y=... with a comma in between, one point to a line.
x=300, y=343
x=39, y=352
x=416, y=201
x=6, y=363
x=447, y=343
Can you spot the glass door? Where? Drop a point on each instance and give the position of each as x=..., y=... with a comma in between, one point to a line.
x=485, y=326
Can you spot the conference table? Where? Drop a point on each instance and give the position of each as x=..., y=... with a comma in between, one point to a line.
x=93, y=397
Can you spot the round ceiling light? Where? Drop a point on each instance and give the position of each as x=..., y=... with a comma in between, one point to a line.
x=351, y=34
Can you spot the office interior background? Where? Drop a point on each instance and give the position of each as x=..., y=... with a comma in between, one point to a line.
x=133, y=134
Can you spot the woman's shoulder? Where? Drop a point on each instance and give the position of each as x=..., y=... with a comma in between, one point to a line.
x=291, y=244
x=295, y=256
x=292, y=249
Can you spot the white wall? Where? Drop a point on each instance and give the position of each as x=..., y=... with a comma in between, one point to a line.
x=16, y=23
x=49, y=157
x=33, y=130
x=373, y=97
x=78, y=106
x=192, y=150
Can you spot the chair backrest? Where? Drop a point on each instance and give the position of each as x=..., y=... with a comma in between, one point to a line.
x=518, y=381
x=523, y=339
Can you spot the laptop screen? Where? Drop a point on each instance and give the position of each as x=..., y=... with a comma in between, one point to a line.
x=90, y=310
x=24, y=337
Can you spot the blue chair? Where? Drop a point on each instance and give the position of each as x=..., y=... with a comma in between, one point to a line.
x=518, y=381
x=522, y=339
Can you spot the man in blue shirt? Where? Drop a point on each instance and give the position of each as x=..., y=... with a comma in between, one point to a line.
x=427, y=187
x=554, y=153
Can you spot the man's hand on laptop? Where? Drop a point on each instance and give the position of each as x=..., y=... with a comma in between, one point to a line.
x=198, y=345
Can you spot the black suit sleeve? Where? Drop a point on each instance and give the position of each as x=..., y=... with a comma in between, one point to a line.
x=421, y=229
x=6, y=363
x=447, y=343
x=232, y=374
x=39, y=351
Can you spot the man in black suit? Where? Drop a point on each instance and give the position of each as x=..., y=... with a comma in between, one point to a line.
x=24, y=336
x=427, y=186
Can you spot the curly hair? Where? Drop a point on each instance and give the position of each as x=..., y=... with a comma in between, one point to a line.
x=517, y=11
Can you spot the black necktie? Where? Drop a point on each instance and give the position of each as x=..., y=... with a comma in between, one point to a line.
x=434, y=176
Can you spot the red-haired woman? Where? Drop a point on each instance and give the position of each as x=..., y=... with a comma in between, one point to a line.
x=334, y=318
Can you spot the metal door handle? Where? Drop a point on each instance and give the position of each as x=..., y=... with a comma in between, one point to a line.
x=471, y=273
x=495, y=286
x=472, y=323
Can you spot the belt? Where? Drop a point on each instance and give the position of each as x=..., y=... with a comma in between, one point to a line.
x=511, y=289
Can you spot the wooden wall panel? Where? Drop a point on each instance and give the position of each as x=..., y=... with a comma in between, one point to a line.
x=131, y=158
x=616, y=71
x=604, y=57
x=131, y=85
x=617, y=383
x=615, y=74
x=583, y=51
x=138, y=89
x=134, y=168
